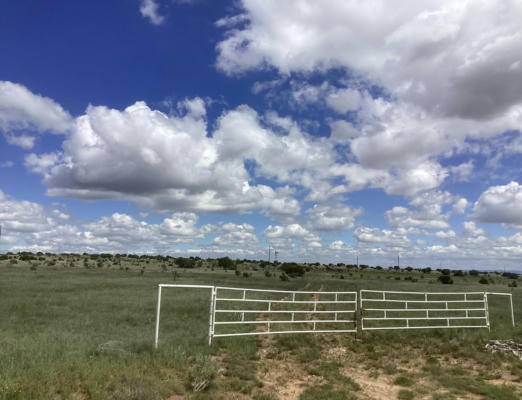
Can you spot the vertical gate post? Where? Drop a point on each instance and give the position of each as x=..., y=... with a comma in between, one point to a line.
x=211, y=318
x=157, y=317
x=512, y=313
x=487, y=310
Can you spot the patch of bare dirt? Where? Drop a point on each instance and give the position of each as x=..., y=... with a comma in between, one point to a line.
x=282, y=374
x=337, y=353
x=379, y=388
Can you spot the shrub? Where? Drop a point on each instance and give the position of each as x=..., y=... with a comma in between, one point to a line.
x=484, y=280
x=326, y=391
x=293, y=269
x=268, y=274
x=185, y=262
x=264, y=396
x=403, y=380
x=405, y=395
x=512, y=284
x=284, y=277
x=201, y=375
x=445, y=279
x=226, y=263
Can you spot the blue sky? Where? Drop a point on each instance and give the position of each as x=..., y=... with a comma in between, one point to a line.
x=328, y=131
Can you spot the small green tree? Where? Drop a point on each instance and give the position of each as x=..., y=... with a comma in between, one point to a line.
x=226, y=263
x=445, y=279
x=293, y=269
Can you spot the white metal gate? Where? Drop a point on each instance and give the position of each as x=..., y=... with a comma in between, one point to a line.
x=420, y=310
x=241, y=311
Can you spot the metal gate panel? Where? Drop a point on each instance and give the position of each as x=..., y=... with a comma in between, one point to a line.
x=242, y=311
x=382, y=309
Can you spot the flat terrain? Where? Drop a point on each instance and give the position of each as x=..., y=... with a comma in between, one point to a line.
x=77, y=327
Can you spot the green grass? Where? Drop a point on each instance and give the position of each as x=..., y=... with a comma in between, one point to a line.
x=87, y=333
x=326, y=392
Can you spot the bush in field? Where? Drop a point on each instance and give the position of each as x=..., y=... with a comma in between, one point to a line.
x=293, y=269
x=226, y=263
x=484, y=281
x=446, y=279
x=510, y=275
x=512, y=284
x=284, y=277
x=202, y=373
x=185, y=262
x=474, y=272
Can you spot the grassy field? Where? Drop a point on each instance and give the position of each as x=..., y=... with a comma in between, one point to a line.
x=73, y=327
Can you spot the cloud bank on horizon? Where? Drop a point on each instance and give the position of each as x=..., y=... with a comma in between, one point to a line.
x=369, y=129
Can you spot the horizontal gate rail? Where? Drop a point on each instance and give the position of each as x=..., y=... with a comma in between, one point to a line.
x=457, y=309
x=299, y=311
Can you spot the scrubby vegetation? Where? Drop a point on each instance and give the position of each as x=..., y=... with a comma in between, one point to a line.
x=81, y=326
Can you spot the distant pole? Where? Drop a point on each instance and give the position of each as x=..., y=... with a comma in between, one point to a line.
x=357, y=261
x=269, y=252
x=398, y=261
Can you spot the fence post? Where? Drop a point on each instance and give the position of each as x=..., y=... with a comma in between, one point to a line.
x=487, y=310
x=212, y=315
x=512, y=313
x=157, y=318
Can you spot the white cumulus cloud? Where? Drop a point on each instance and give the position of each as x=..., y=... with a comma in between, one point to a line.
x=22, y=111
x=150, y=9
x=501, y=204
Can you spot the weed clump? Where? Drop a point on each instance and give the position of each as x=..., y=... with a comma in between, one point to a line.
x=403, y=380
x=326, y=391
x=284, y=277
x=405, y=395
x=202, y=373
